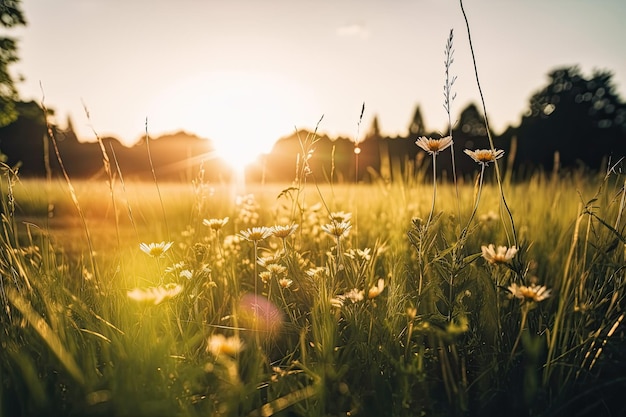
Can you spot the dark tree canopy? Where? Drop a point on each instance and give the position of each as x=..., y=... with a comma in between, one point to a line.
x=581, y=117
x=472, y=121
x=417, y=127
x=10, y=15
x=374, y=132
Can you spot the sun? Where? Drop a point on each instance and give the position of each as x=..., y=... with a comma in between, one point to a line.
x=243, y=113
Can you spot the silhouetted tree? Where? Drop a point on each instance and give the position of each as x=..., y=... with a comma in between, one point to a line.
x=369, y=157
x=581, y=118
x=10, y=16
x=469, y=133
x=23, y=140
x=472, y=122
x=417, y=127
x=68, y=134
x=374, y=132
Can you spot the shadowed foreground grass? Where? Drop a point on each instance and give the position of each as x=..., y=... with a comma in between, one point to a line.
x=312, y=300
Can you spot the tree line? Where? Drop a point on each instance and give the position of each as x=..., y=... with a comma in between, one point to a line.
x=574, y=121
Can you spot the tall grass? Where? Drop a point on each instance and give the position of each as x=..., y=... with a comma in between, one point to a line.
x=443, y=337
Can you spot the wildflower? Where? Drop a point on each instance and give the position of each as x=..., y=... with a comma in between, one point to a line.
x=458, y=326
x=353, y=295
x=317, y=272
x=434, y=146
x=270, y=259
x=285, y=283
x=337, y=229
x=185, y=273
x=534, y=292
x=337, y=302
x=188, y=232
x=156, y=250
x=248, y=209
x=276, y=269
x=215, y=224
x=488, y=217
x=232, y=243
x=284, y=232
x=340, y=216
x=155, y=295
x=375, y=290
x=256, y=233
x=265, y=276
x=364, y=254
x=179, y=266
x=219, y=344
x=500, y=255
x=484, y=156
x=87, y=275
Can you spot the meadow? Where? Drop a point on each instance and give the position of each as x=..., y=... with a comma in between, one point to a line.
x=422, y=297
x=313, y=298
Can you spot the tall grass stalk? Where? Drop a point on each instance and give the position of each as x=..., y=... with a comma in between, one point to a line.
x=432, y=206
x=129, y=209
x=449, y=97
x=72, y=191
x=106, y=163
x=156, y=183
x=512, y=234
x=357, y=152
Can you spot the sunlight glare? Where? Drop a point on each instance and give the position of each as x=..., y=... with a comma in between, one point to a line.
x=243, y=113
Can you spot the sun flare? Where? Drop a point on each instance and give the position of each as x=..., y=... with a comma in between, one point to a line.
x=243, y=113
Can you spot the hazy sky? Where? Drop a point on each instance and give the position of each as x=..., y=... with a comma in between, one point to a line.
x=232, y=69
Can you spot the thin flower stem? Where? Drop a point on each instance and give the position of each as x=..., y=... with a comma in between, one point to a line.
x=369, y=333
x=256, y=274
x=450, y=294
x=289, y=311
x=482, y=99
x=284, y=246
x=338, y=260
x=521, y=329
x=408, y=340
x=480, y=189
x=432, y=208
x=256, y=294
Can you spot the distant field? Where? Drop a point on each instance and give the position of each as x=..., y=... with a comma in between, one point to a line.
x=533, y=203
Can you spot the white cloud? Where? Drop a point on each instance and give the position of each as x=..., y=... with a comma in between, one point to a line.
x=354, y=30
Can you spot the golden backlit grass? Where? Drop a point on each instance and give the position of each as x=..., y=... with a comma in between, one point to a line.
x=398, y=315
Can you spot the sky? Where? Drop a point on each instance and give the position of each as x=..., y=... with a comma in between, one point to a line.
x=247, y=72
